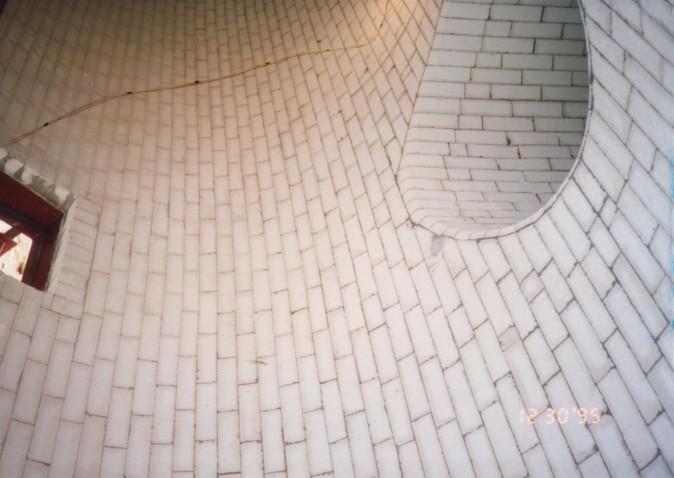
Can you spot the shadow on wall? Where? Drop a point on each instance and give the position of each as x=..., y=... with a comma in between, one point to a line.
x=500, y=116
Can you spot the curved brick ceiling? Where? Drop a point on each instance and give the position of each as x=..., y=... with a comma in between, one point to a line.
x=246, y=292
x=500, y=114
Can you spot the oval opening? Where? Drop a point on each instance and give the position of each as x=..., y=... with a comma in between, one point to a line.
x=500, y=114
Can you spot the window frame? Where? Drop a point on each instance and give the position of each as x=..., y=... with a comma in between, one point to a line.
x=33, y=216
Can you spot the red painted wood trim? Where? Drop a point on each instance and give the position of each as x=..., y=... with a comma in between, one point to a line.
x=33, y=216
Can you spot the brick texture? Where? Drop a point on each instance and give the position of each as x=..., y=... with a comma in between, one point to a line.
x=293, y=248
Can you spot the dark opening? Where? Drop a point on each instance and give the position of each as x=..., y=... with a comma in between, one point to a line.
x=24, y=212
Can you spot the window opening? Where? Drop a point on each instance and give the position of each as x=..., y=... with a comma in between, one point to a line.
x=29, y=228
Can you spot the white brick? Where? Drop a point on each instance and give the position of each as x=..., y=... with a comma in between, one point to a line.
x=76, y=393
x=525, y=377
x=410, y=462
x=432, y=459
x=552, y=327
x=531, y=29
x=460, y=326
x=478, y=375
x=610, y=132
x=342, y=459
x=633, y=377
x=385, y=285
x=309, y=384
x=470, y=299
x=639, y=440
x=445, y=346
x=100, y=388
x=556, y=287
x=349, y=385
x=541, y=356
x=438, y=395
x=534, y=247
x=503, y=442
x=13, y=361
x=138, y=455
x=454, y=448
x=635, y=45
x=495, y=258
x=272, y=441
x=15, y=449
x=291, y=409
x=510, y=400
x=296, y=460
x=228, y=444
x=206, y=458
x=317, y=443
x=119, y=416
x=661, y=379
x=28, y=396
x=632, y=328
x=536, y=460
x=417, y=401
x=383, y=353
x=648, y=119
x=586, y=340
x=594, y=466
x=400, y=339
x=602, y=168
x=513, y=12
x=461, y=26
x=520, y=311
x=484, y=460
x=91, y=447
x=387, y=459
x=578, y=377
x=407, y=294
x=653, y=198
x=467, y=413
x=492, y=352
x=532, y=286
x=565, y=413
x=445, y=286
x=599, y=274
x=591, y=304
x=644, y=302
x=37, y=470
x=527, y=61
x=426, y=292
x=465, y=10
x=46, y=429
x=486, y=107
x=63, y=462
x=285, y=354
x=467, y=43
x=662, y=430
x=376, y=411
x=552, y=440
x=362, y=452
x=657, y=467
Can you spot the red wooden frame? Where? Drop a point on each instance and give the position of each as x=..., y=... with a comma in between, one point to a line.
x=31, y=215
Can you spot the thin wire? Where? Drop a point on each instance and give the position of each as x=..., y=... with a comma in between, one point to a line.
x=114, y=96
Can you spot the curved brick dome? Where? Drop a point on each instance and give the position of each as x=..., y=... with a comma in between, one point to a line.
x=249, y=285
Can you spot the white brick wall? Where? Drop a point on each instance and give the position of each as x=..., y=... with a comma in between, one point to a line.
x=246, y=294
x=535, y=72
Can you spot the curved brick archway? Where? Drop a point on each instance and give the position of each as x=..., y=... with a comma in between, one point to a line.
x=500, y=114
